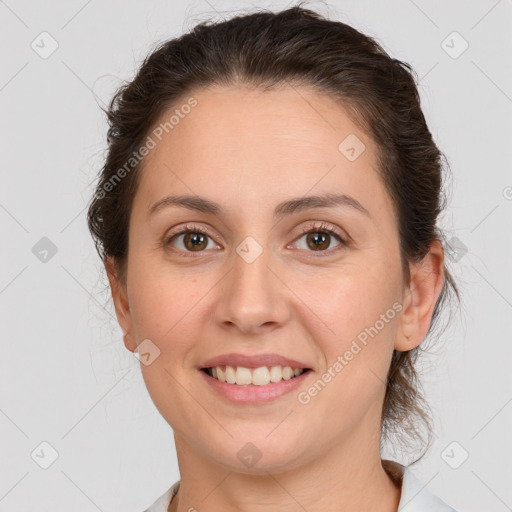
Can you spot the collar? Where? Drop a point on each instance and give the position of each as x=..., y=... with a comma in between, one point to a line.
x=415, y=496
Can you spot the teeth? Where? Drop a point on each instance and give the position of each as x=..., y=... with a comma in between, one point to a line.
x=230, y=375
x=275, y=374
x=242, y=376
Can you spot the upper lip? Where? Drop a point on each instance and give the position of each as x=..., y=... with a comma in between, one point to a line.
x=254, y=361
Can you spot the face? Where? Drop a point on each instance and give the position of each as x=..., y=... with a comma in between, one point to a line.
x=318, y=283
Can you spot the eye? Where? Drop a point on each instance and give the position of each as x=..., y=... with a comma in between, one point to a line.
x=318, y=238
x=190, y=238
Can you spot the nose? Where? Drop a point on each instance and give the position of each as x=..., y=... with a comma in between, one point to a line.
x=252, y=298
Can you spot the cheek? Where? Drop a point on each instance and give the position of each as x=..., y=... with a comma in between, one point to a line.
x=171, y=310
x=166, y=311
x=357, y=347
x=361, y=310
x=161, y=308
x=353, y=299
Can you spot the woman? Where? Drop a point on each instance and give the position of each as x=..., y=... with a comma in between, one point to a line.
x=267, y=215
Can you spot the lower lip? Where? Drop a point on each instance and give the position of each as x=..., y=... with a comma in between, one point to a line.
x=252, y=394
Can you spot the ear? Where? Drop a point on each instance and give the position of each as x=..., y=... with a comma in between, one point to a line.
x=420, y=297
x=121, y=304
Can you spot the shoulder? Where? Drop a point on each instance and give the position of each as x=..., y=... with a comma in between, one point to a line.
x=162, y=503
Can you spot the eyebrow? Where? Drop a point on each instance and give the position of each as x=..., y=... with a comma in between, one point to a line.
x=201, y=204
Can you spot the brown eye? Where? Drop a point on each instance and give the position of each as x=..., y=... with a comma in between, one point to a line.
x=189, y=239
x=319, y=239
x=195, y=241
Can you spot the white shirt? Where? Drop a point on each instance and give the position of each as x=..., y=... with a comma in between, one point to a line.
x=414, y=498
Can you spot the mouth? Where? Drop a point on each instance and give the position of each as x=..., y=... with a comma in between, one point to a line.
x=261, y=376
x=244, y=386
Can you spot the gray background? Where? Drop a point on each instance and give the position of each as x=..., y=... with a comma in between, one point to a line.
x=65, y=376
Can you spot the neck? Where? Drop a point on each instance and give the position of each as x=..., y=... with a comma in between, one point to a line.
x=342, y=478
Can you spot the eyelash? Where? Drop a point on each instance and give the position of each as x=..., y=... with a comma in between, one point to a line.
x=322, y=228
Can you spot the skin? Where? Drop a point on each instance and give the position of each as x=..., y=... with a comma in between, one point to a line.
x=249, y=150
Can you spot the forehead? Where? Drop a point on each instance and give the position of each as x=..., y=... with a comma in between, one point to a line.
x=245, y=144
x=284, y=121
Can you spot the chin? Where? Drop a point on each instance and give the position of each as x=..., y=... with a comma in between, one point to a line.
x=257, y=455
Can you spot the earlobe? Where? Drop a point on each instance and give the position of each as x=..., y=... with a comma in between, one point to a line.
x=420, y=297
x=121, y=304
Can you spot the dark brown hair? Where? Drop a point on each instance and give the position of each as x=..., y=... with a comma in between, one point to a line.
x=296, y=47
